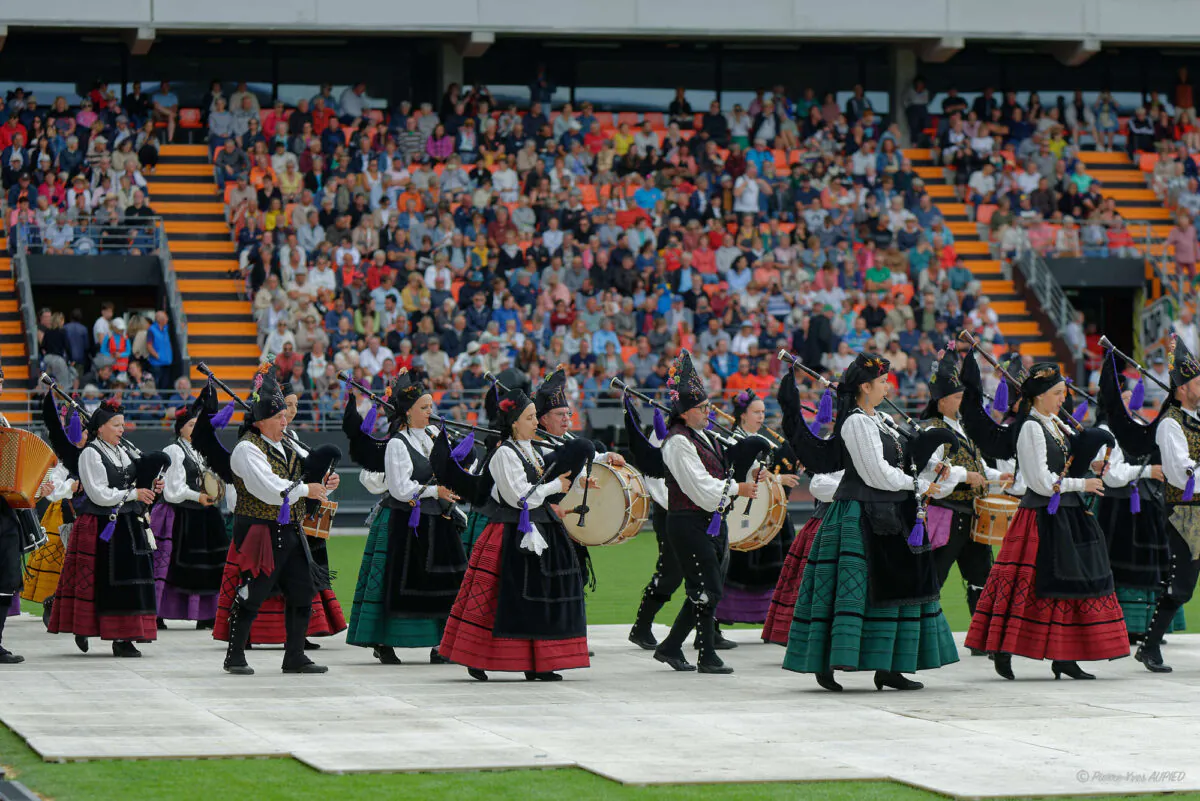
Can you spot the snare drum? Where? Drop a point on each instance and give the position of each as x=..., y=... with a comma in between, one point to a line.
x=992, y=516
x=749, y=532
x=618, y=507
x=213, y=486
x=319, y=523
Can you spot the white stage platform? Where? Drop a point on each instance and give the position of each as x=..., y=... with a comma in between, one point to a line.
x=628, y=718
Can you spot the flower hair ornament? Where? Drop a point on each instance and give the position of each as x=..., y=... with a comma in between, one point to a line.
x=506, y=405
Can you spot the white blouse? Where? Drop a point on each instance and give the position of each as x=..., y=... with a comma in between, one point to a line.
x=251, y=466
x=681, y=458
x=1172, y=443
x=1031, y=455
x=375, y=483
x=824, y=485
x=957, y=473
x=94, y=476
x=1120, y=472
x=175, y=488
x=398, y=466
x=863, y=435
x=62, y=482
x=511, y=483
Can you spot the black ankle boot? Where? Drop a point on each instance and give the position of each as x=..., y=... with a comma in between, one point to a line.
x=1003, y=665
x=708, y=662
x=386, y=654
x=720, y=641
x=7, y=657
x=546, y=675
x=125, y=649
x=477, y=674
x=160, y=624
x=239, y=631
x=641, y=634
x=437, y=659
x=1069, y=669
x=309, y=645
x=81, y=643
x=827, y=681
x=1150, y=652
x=1151, y=656
x=890, y=678
x=205, y=625
x=47, y=610
x=670, y=650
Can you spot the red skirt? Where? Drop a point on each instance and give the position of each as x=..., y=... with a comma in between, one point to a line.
x=783, y=602
x=75, y=610
x=468, y=637
x=1010, y=617
x=268, y=628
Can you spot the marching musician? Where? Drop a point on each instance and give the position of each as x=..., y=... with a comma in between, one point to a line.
x=425, y=559
x=1178, y=440
x=268, y=544
x=668, y=574
x=554, y=413
x=699, y=492
x=752, y=575
x=107, y=584
x=496, y=622
x=869, y=596
x=1050, y=594
x=192, y=542
x=967, y=479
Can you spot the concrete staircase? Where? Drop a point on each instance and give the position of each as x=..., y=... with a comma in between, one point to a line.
x=1016, y=319
x=221, y=331
x=12, y=345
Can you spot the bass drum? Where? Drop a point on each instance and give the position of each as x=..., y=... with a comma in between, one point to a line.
x=618, y=507
x=749, y=532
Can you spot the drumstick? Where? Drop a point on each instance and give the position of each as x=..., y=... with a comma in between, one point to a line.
x=582, y=508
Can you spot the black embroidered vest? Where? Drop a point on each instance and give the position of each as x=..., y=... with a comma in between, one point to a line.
x=712, y=456
x=968, y=457
x=1191, y=432
x=500, y=511
x=854, y=488
x=422, y=473
x=1056, y=461
x=119, y=478
x=286, y=467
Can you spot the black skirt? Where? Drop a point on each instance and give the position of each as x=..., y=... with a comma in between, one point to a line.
x=125, y=568
x=541, y=597
x=898, y=573
x=1137, y=544
x=200, y=545
x=759, y=569
x=1072, y=556
x=425, y=567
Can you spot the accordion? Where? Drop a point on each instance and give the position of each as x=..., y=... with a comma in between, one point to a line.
x=24, y=462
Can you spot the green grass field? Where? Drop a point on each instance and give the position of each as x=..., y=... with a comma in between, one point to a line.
x=622, y=572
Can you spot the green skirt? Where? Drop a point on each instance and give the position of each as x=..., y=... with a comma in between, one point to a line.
x=1138, y=606
x=834, y=625
x=370, y=624
x=476, y=523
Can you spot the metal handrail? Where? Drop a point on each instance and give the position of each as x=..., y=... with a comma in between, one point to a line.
x=174, y=297
x=1048, y=291
x=92, y=237
x=24, y=287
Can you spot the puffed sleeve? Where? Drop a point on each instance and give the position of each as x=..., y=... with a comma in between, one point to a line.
x=61, y=480
x=94, y=478
x=824, y=485
x=956, y=475
x=866, y=451
x=680, y=457
x=175, y=488
x=1172, y=444
x=398, y=468
x=250, y=464
x=1120, y=472
x=1031, y=454
x=375, y=483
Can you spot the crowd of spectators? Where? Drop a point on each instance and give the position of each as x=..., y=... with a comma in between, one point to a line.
x=73, y=179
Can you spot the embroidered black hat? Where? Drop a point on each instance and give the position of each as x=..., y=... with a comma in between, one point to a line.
x=944, y=381
x=405, y=391
x=509, y=408
x=266, y=400
x=1181, y=362
x=686, y=387
x=552, y=393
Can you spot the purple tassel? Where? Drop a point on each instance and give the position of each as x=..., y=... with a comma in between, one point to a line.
x=463, y=449
x=285, y=512
x=1189, y=489
x=75, y=429
x=714, y=525
x=368, y=423
x=1135, y=500
x=1080, y=412
x=825, y=408
x=712, y=420
x=815, y=428
x=414, y=517
x=660, y=425
x=1138, y=397
x=523, y=524
x=1055, y=499
x=222, y=418
x=109, y=530
x=1000, y=402
x=917, y=538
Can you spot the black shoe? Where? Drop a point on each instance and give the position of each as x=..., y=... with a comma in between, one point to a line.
x=547, y=675
x=9, y=658
x=1070, y=669
x=477, y=674
x=890, y=678
x=977, y=652
x=1151, y=657
x=675, y=660
x=437, y=659
x=160, y=624
x=125, y=650
x=309, y=645
x=722, y=643
x=1003, y=665
x=643, y=638
x=386, y=654
x=239, y=670
x=716, y=667
x=205, y=625
x=307, y=667
x=826, y=680
x=47, y=608
x=81, y=643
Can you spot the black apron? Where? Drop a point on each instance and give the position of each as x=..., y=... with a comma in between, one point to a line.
x=200, y=543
